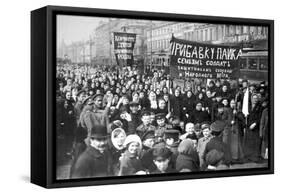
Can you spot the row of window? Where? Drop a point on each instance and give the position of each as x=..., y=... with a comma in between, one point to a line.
x=166, y=30
x=219, y=32
x=159, y=44
x=254, y=63
x=211, y=34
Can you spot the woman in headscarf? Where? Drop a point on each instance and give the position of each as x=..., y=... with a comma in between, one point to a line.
x=117, y=148
x=188, y=158
x=153, y=101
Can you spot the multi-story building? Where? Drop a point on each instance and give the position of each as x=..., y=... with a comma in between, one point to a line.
x=253, y=39
x=103, y=40
x=158, y=41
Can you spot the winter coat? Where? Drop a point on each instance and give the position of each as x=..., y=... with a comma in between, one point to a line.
x=129, y=164
x=199, y=116
x=217, y=144
x=92, y=163
x=188, y=157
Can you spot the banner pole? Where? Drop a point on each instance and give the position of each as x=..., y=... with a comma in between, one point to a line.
x=170, y=77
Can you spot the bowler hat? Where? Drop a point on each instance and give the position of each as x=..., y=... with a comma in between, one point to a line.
x=98, y=131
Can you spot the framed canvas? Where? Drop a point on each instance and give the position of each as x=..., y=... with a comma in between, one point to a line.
x=127, y=96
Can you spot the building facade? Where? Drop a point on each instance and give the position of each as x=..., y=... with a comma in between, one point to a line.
x=253, y=39
x=103, y=39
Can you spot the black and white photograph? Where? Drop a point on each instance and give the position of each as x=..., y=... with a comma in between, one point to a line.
x=145, y=97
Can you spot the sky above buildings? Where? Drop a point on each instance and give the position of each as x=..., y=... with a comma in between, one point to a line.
x=76, y=28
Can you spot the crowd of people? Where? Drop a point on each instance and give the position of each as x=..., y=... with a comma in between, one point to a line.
x=115, y=122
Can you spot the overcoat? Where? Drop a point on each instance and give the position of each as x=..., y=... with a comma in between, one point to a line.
x=92, y=163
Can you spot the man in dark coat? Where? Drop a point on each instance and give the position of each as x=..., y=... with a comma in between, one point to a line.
x=216, y=142
x=162, y=161
x=176, y=104
x=95, y=161
x=135, y=118
x=252, y=140
x=188, y=105
x=198, y=115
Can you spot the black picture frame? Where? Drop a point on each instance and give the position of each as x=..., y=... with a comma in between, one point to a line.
x=43, y=111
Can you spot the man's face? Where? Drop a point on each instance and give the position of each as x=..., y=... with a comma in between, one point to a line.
x=146, y=119
x=245, y=84
x=177, y=93
x=161, y=122
x=99, y=144
x=98, y=102
x=206, y=132
x=162, y=165
x=149, y=142
x=189, y=94
x=224, y=88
